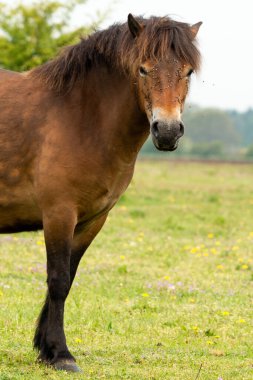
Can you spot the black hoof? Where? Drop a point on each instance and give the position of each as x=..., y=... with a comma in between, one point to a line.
x=66, y=365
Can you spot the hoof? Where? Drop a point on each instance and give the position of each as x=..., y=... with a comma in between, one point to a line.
x=66, y=365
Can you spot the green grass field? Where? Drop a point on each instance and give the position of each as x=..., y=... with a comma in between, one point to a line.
x=165, y=288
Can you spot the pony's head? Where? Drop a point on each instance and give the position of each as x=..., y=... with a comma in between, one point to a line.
x=165, y=57
x=158, y=53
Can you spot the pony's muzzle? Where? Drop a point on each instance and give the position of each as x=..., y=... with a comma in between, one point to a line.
x=165, y=135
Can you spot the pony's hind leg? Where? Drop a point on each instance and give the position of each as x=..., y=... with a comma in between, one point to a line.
x=41, y=327
x=81, y=241
x=49, y=337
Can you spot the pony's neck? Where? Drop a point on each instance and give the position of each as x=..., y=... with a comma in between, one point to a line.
x=111, y=111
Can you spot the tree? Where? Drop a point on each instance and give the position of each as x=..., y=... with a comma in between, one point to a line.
x=32, y=34
x=244, y=125
x=208, y=149
x=210, y=126
x=249, y=152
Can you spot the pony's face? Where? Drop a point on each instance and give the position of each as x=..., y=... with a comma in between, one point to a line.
x=162, y=88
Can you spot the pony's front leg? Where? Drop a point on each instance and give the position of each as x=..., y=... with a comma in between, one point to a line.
x=58, y=230
x=80, y=243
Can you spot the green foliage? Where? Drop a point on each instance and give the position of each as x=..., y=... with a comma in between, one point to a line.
x=244, y=125
x=153, y=297
x=211, y=125
x=208, y=149
x=32, y=34
x=249, y=152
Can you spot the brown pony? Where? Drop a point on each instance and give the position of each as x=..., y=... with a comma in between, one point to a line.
x=70, y=132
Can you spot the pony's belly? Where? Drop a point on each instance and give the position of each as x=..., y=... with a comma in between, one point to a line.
x=21, y=226
x=18, y=219
x=19, y=214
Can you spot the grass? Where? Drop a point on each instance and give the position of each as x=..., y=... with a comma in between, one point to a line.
x=165, y=288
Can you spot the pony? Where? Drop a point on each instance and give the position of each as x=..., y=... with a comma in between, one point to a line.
x=70, y=132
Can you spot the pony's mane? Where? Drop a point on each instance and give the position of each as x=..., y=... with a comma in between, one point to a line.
x=117, y=48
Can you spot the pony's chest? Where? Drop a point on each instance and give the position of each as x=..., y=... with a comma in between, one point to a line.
x=104, y=191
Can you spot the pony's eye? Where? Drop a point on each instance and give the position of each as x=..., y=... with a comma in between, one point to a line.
x=190, y=73
x=143, y=72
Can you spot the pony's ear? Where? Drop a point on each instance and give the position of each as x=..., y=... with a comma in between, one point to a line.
x=195, y=29
x=134, y=26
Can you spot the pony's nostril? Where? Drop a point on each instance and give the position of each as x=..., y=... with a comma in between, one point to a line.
x=155, y=129
x=181, y=128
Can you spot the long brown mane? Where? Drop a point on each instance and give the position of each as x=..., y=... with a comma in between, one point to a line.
x=116, y=47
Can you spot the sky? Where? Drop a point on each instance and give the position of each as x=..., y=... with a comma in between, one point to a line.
x=225, y=41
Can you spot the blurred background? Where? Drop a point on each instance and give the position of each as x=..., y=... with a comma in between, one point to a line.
x=219, y=112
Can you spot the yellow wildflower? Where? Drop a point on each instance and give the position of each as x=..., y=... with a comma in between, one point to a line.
x=241, y=321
